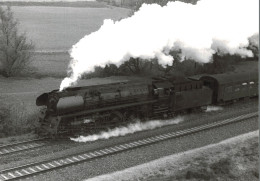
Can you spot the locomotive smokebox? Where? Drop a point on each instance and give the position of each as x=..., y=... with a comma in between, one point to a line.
x=42, y=99
x=71, y=103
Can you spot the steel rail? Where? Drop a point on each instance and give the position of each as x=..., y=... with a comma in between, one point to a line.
x=34, y=168
x=22, y=146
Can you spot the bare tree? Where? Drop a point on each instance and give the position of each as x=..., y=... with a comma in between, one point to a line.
x=136, y=65
x=15, y=50
x=254, y=46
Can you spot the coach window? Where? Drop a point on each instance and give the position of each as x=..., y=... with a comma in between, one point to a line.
x=251, y=84
x=179, y=97
x=156, y=92
x=167, y=91
x=119, y=92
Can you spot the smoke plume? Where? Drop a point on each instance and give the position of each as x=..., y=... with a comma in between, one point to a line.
x=213, y=108
x=198, y=30
x=129, y=129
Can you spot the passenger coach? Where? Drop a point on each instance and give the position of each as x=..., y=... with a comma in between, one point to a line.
x=231, y=86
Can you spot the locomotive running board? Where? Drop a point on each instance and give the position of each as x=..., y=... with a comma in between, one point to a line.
x=109, y=108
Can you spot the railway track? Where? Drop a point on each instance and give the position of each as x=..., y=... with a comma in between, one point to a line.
x=22, y=146
x=35, y=168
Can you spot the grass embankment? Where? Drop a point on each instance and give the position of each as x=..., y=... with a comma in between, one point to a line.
x=16, y=116
x=18, y=111
x=234, y=162
x=235, y=159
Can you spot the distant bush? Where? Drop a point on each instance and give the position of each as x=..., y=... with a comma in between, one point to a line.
x=210, y=171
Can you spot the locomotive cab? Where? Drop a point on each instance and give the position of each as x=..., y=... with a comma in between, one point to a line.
x=162, y=88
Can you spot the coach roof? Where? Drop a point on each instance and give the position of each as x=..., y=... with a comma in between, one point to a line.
x=227, y=78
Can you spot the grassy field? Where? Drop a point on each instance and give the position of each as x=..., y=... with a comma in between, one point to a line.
x=53, y=64
x=57, y=3
x=54, y=30
x=58, y=28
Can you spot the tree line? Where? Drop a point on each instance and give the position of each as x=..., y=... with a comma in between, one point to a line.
x=186, y=67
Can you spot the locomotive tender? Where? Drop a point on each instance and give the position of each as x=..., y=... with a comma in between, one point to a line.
x=97, y=107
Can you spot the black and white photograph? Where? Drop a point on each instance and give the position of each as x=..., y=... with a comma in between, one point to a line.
x=129, y=90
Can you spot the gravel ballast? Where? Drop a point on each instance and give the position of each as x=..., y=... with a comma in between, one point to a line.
x=148, y=153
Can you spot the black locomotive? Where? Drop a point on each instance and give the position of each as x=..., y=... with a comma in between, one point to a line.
x=97, y=107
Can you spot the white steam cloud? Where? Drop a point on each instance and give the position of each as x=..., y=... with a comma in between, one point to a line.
x=198, y=30
x=213, y=108
x=129, y=129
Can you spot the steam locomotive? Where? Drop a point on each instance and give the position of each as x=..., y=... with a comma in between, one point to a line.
x=92, y=108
